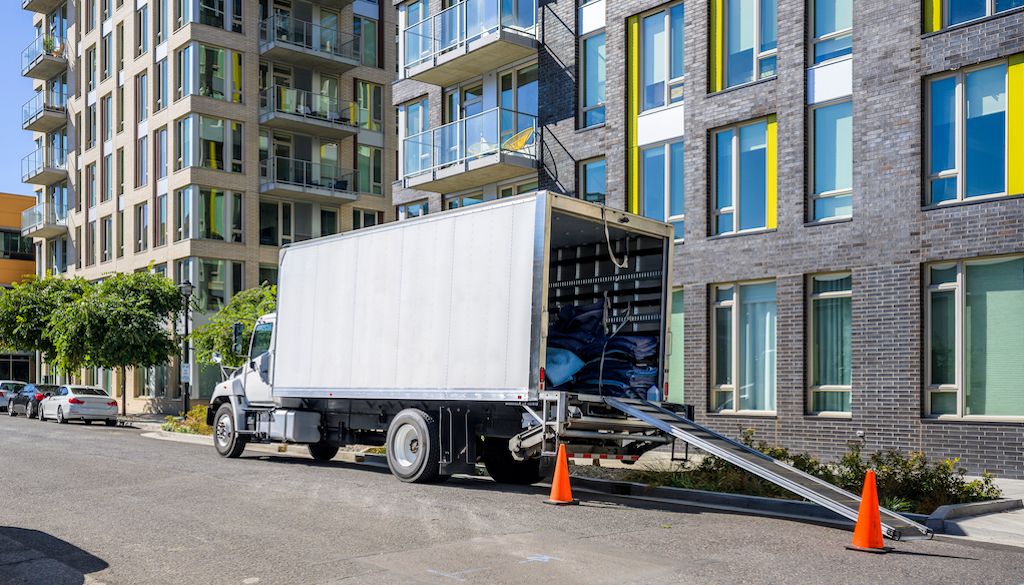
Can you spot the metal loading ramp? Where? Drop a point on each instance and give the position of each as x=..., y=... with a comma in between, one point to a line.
x=807, y=486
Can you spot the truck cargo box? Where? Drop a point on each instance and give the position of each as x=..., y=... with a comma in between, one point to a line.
x=456, y=306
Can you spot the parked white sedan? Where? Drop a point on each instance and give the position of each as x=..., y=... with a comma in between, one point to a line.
x=84, y=403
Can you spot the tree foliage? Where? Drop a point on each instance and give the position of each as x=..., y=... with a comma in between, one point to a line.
x=29, y=312
x=245, y=308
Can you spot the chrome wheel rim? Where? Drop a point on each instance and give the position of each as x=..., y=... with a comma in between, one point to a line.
x=224, y=430
x=407, y=445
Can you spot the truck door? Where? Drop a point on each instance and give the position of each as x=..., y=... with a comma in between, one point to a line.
x=257, y=368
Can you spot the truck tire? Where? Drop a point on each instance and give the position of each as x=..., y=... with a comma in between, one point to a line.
x=503, y=468
x=225, y=437
x=322, y=451
x=413, y=452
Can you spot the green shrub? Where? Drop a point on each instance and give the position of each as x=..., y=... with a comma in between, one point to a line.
x=906, y=482
x=194, y=422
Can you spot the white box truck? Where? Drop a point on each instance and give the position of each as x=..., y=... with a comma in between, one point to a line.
x=431, y=337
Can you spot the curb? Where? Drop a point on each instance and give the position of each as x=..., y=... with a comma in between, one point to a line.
x=937, y=521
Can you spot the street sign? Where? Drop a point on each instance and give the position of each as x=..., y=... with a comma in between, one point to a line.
x=186, y=373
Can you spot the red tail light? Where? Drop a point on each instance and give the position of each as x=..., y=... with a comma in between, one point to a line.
x=75, y=401
x=112, y=403
x=1, y=393
x=542, y=379
x=39, y=397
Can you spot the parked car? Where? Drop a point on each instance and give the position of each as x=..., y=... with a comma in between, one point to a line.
x=27, y=400
x=8, y=390
x=84, y=403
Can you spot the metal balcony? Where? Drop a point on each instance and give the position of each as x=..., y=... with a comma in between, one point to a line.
x=303, y=179
x=44, y=57
x=469, y=39
x=43, y=221
x=305, y=112
x=309, y=45
x=44, y=167
x=489, y=147
x=45, y=112
x=41, y=6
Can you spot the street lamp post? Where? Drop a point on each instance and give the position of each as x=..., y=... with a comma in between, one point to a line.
x=186, y=290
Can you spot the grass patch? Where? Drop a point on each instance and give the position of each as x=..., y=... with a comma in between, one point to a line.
x=193, y=423
x=907, y=482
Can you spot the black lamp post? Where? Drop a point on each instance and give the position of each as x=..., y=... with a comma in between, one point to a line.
x=186, y=290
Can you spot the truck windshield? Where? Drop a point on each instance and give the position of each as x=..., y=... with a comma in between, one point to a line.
x=261, y=339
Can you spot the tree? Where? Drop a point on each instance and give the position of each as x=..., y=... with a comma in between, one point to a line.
x=131, y=324
x=28, y=312
x=216, y=336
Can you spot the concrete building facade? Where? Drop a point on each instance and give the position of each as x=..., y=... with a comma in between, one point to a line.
x=194, y=138
x=846, y=181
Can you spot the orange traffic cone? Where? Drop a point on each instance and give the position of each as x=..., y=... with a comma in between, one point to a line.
x=867, y=535
x=561, y=493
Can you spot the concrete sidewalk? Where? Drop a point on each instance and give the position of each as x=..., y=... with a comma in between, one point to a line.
x=1000, y=527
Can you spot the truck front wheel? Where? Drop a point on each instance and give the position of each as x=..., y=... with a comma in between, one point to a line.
x=503, y=468
x=412, y=450
x=225, y=436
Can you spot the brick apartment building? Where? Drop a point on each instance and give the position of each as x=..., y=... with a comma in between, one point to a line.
x=845, y=179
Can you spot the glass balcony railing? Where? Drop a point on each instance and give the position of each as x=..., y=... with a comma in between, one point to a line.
x=41, y=159
x=306, y=35
x=497, y=130
x=42, y=215
x=299, y=102
x=42, y=45
x=52, y=101
x=465, y=22
x=304, y=173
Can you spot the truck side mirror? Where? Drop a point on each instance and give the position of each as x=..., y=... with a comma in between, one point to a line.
x=237, y=330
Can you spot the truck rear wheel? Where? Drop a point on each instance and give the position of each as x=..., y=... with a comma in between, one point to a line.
x=322, y=451
x=412, y=450
x=225, y=436
x=503, y=468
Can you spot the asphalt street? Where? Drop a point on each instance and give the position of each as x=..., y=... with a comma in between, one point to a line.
x=104, y=505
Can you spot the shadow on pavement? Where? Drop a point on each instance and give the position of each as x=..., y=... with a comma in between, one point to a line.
x=31, y=557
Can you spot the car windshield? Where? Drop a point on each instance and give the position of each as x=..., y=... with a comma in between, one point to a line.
x=12, y=386
x=88, y=392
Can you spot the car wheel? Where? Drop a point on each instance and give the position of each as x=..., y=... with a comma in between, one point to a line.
x=10, y=409
x=225, y=437
x=110, y=422
x=412, y=450
x=28, y=410
x=60, y=416
x=39, y=413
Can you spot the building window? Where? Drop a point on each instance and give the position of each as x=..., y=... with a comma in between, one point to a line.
x=15, y=247
x=120, y=233
x=744, y=177
x=747, y=50
x=142, y=227
x=328, y=222
x=593, y=180
x=219, y=140
x=967, y=142
x=460, y=201
x=119, y=46
x=268, y=274
x=592, y=80
x=90, y=68
x=90, y=125
x=518, y=188
x=106, y=238
x=416, y=153
x=106, y=56
x=106, y=127
x=974, y=335
x=141, y=97
x=370, y=169
x=743, y=347
x=160, y=83
x=160, y=148
x=829, y=354
x=183, y=143
x=142, y=30
x=90, y=184
x=107, y=185
x=90, y=243
x=662, y=69
x=160, y=237
x=159, y=21
x=364, y=218
x=142, y=161
x=414, y=209
x=183, y=72
x=216, y=280
x=661, y=184
x=832, y=161
x=120, y=109
x=217, y=214
x=120, y=171
x=676, y=366
x=833, y=29
x=942, y=13
x=365, y=29
x=370, y=105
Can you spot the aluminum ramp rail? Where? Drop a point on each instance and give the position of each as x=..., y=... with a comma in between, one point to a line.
x=820, y=492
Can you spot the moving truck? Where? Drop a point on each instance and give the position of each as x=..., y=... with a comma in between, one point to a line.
x=436, y=338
